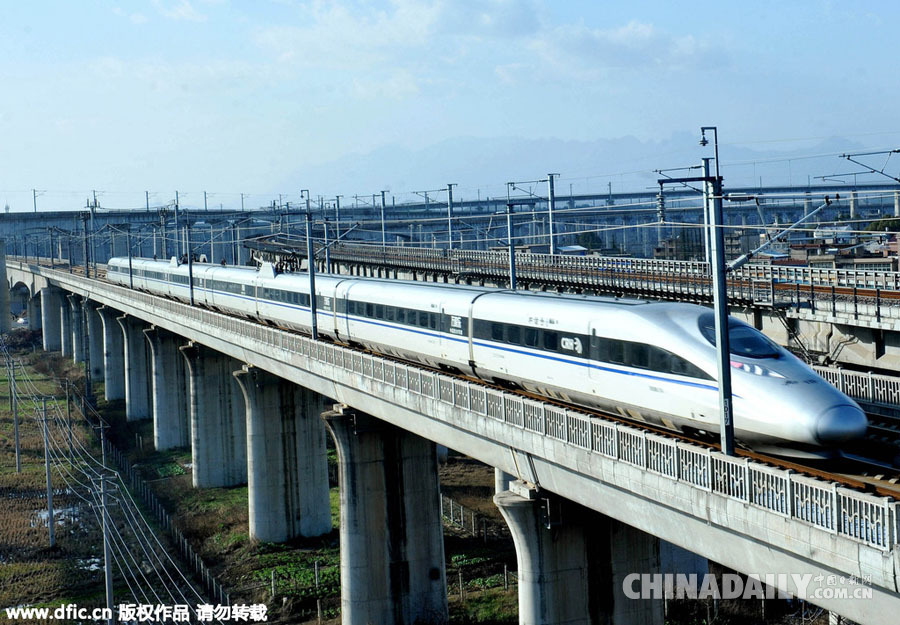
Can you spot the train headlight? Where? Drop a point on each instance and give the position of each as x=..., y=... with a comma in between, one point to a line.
x=755, y=369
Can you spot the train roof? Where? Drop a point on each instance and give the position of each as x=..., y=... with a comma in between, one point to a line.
x=458, y=288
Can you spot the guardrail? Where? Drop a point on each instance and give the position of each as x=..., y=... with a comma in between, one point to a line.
x=546, y=265
x=869, y=387
x=761, y=285
x=861, y=517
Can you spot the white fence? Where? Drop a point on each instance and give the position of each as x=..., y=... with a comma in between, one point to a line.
x=868, y=387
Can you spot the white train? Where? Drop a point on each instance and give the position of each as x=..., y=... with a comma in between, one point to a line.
x=653, y=362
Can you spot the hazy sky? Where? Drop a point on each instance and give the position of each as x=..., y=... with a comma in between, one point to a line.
x=235, y=97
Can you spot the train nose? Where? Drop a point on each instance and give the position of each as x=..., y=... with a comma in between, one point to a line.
x=841, y=423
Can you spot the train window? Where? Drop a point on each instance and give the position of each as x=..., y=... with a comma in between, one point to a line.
x=531, y=337
x=637, y=355
x=743, y=340
x=423, y=319
x=370, y=310
x=660, y=359
x=513, y=335
x=379, y=311
x=389, y=313
x=401, y=315
x=432, y=321
x=551, y=340
x=497, y=331
x=599, y=348
x=680, y=366
x=616, y=351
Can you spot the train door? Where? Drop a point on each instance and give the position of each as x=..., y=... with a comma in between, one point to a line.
x=454, y=330
x=341, y=324
x=594, y=350
x=606, y=355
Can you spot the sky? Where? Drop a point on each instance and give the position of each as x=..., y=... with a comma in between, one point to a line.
x=268, y=97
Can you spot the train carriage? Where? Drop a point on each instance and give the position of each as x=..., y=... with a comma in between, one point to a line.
x=651, y=361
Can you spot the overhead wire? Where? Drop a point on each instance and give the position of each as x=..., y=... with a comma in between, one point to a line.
x=131, y=512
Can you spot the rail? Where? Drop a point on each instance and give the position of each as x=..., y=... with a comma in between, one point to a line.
x=861, y=517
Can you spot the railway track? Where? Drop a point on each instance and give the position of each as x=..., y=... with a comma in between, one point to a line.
x=870, y=474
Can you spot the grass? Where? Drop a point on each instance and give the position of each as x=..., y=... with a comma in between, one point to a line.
x=216, y=523
x=492, y=607
x=31, y=572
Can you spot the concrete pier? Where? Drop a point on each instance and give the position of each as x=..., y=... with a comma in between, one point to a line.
x=169, y=388
x=113, y=354
x=76, y=313
x=95, y=338
x=50, y=317
x=65, y=326
x=392, y=548
x=137, y=379
x=502, y=480
x=35, y=313
x=218, y=418
x=572, y=562
x=287, y=466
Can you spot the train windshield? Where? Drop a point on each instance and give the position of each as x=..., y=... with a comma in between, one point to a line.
x=743, y=340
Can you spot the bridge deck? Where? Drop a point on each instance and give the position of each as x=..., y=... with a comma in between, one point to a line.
x=742, y=513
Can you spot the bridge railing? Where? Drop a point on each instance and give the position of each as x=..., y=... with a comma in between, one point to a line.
x=860, y=293
x=865, y=386
x=597, y=269
x=861, y=517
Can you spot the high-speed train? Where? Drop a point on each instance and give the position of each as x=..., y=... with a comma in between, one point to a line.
x=650, y=361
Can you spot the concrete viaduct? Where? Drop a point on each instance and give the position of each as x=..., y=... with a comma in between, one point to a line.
x=588, y=501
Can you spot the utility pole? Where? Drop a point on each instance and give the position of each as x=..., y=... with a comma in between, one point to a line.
x=88, y=382
x=103, y=427
x=712, y=194
x=47, y=469
x=383, y=235
x=707, y=244
x=147, y=200
x=205, y=205
x=107, y=555
x=177, y=229
x=94, y=233
x=15, y=410
x=720, y=299
x=450, y=186
x=242, y=202
x=311, y=270
x=190, y=256
x=512, y=247
x=130, y=267
x=327, y=249
x=234, y=244
x=660, y=215
x=551, y=205
x=69, y=421
x=337, y=217
x=9, y=379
